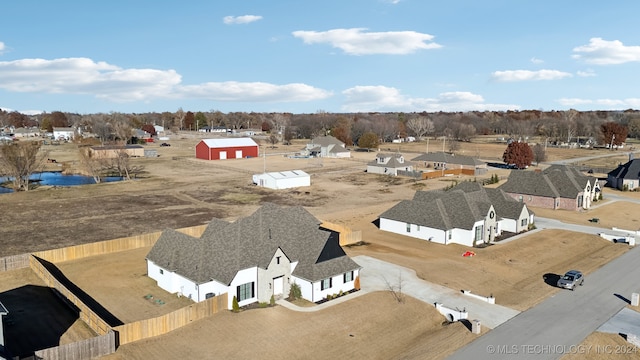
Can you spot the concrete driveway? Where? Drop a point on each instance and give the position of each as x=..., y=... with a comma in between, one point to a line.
x=378, y=275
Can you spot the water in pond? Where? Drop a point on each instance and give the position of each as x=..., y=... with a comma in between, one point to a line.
x=56, y=178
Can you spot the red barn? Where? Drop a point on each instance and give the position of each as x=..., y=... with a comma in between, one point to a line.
x=228, y=148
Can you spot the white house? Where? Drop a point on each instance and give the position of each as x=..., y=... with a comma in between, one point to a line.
x=254, y=258
x=327, y=146
x=63, y=133
x=388, y=164
x=282, y=179
x=467, y=214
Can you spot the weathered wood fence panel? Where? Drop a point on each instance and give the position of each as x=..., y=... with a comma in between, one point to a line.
x=160, y=325
x=347, y=235
x=84, y=349
x=14, y=262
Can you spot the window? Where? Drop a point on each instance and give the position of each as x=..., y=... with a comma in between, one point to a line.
x=277, y=259
x=417, y=227
x=244, y=291
x=325, y=284
x=348, y=276
x=449, y=234
x=523, y=222
x=408, y=227
x=161, y=271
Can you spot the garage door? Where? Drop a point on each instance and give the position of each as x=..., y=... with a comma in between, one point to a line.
x=238, y=154
x=223, y=155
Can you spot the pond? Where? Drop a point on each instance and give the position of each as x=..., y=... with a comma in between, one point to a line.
x=56, y=178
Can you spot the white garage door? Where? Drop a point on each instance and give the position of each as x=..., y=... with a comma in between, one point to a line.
x=223, y=155
x=238, y=154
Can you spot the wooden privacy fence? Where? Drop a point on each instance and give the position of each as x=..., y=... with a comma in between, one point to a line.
x=86, y=314
x=347, y=236
x=84, y=349
x=14, y=262
x=160, y=325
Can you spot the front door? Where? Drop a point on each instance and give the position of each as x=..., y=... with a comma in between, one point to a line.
x=223, y=155
x=238, y=154
x=278, y=286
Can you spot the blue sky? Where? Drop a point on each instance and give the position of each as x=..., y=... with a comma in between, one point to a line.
x=308, y=56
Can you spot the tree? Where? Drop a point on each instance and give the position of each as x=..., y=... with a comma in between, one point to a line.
x=420, y=125
x=234, y=304
x=149, y=129
x=273, y=140
x=94, y=166
x=539, y=153
x=189, y=120
x=518, y=154
x=368, y=141
x=201, y=120
x=18, y=160
x=613, y=134
x=122, y=164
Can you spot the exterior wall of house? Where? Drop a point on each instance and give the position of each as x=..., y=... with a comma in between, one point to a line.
x=203, y=151
x=177, y=284
x=306, y=287
x=279, y=267
x=243, y=277
x=418, y=232
x=535, y=201
x=337, y=285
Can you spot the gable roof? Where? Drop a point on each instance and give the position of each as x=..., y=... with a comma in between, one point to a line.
x=556, y=181
x=459, y=207
x=443, y=157
x=630, y=170
x=229, y=142
x=394, y=161
x=226, y=248
x=325, y=141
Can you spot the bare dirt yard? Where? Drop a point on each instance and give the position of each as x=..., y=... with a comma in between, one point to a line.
x=178, y=191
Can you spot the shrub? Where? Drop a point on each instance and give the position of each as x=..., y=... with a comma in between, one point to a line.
x=263, y=304
x=272, y=301
x=356, y=283
x=234, y=305
x=295, y=292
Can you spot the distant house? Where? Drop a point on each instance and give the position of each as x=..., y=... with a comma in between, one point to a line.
x=388, y=164
x=440, y=161
x=467, y=214
x=113, y=151
x=556, y=187
x=26, y=132
x=282, y=179
x=254, y=258
x=226, y=148
x=327, y=146
x=63, y=133
x=159, y=129
x=625, y=177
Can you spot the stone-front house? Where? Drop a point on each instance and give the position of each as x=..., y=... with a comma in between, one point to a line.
x=556, y=187
x=467, y=214
x=254, y=258
x=388, y=164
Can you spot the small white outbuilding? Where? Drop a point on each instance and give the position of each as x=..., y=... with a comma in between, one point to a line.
x=282, y=179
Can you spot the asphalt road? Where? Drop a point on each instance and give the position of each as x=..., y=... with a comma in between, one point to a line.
x=559, y=324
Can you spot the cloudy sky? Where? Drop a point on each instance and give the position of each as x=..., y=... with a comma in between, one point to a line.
x=331, y=55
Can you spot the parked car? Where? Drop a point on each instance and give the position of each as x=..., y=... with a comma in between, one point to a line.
x=165, y=144
x=571, y=279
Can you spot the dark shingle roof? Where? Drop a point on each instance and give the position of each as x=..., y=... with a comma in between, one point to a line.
x=225, y=248
x=630, y=170
x=555, y=181
x=442, y=157
x=459, y=207
x=326, y=141
x=394, y=161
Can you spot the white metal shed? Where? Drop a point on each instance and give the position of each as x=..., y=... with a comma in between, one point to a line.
x=282, y=179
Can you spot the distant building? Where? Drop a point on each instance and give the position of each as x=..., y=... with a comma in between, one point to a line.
x=63, y=133
x=282, y=179
x=625, y=177
x=113, y=151
x=226, y=148
x=388, y=164
x=327, y=146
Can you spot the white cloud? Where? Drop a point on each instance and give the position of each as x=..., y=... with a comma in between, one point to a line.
x=586, y=73
x=357, y=41
x=536, y=60
x=253, y=92
x=528, y=75
x=244, y=19
x=382, y=98
x=2, y=47
x=612, y=104
x=603, y=52
x=84, y=76
x=110, y=82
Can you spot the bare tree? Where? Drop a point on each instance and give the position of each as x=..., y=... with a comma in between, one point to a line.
x=122, y=164
x=180, y=115
x=539, y=153
x=93, y=165
x=396, y=291
x=421, y=125
x=19, y=160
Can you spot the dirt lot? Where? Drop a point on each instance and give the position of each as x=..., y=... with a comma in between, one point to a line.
x=178, y=191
